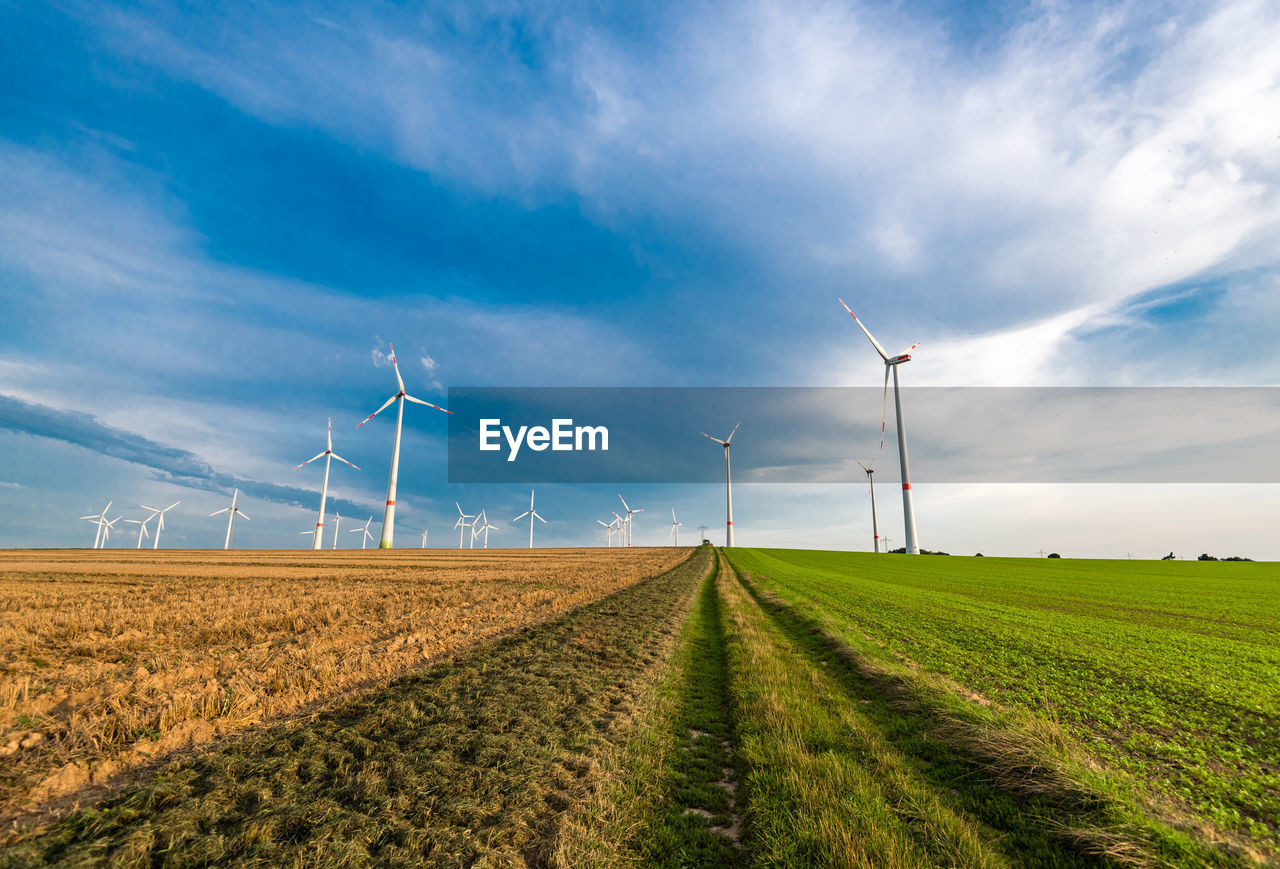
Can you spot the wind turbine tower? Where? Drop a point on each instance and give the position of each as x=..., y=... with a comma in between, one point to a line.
x=329, y=455
x=728, y=484
x=532, y=514
x=232, y=512
x=875, y=526
x=891, y=363
x=389, y=517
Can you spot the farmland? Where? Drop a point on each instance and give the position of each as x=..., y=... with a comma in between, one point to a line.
x=114, y=659
x=749, y=707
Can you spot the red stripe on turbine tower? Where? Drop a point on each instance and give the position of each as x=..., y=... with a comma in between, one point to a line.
x=391, y=503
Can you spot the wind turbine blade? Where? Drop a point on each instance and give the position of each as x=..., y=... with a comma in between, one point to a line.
x=89, y=517
x=329, y=434
x=521, y=516
x=729, y=439
x=539, y=518
x=870, y=337
x=344, y=461
x=605, y=524
x=884, y=408
x=170, y=507
x=310, y=460
x=624, y=502
x=216, y=512
x=427, y=403
x=673, y=514
x=717, y=440
x=241, y=512
x=378, y=411
x=396, y=366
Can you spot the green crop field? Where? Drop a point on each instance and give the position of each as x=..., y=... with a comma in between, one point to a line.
x=1163, y=677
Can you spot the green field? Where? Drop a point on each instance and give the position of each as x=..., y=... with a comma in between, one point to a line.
x=774, y=708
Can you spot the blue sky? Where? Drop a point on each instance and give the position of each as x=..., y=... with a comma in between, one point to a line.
x=212, y=224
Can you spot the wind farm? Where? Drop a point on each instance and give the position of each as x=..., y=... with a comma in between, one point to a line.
x=586, y=235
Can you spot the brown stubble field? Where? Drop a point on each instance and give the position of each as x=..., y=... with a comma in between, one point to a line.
x=114, y=659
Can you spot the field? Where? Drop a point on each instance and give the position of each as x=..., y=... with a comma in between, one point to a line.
x=113, y=659
x=749, y=707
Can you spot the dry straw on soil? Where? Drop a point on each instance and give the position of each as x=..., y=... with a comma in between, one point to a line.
x=113, y=659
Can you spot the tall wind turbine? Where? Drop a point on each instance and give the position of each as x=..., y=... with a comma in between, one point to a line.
x=620, y=528
x=389, y=517
x=142, y=528
x=728, y=484
x=892, y=363
x=337, y=522
x=424, y=538
x=608, y=532
x=675, y=527
x=365, y=530
x=875, y=526
x=329, y=456
x=232, y=512
x=532, y=514
x=462, y=522
x=100, y=520
x=627, y=521
x=156, y=511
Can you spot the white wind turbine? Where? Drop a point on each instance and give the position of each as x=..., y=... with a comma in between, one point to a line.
x=389, y=517
x=463, y=523
x=100, y=520
x=627, y=521
x=365, y=530
x=424, y=538
x=532, y=514
x=675, y=527
x=337, y=522
x=608, y=531
x=142, y=528
x=875, y=525
x=329, y=456
x=231, y=512
x=155, y=511
x=728, y=484
x=620, y=525
x=892, y=362
x=486, y=528
x=311, y=531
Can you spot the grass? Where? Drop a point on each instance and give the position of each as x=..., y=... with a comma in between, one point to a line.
x=473, y=762
x=1109, y=687
x=117, y=657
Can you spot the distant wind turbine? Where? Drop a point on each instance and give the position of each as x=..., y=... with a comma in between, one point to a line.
x=329, y=456
x=155, y=511
x=463, y=523
x=100, y=520
x=142, y=528
x=486, y=528
x=337, y=522
x=892, y=362
x=675, y=527
x=728, y=484
x=389, y=517
x=630, y=513
x=232, y=512
x=875, y=525
x=365, y=530
x=532, y=514
x=424, y=538
x=608, y=532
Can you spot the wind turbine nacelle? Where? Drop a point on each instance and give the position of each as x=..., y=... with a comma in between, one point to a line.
x=898, y=360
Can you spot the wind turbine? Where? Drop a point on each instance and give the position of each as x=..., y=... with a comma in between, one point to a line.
x=367, y=536
x=875, y=526
x=231, y=512
x=728, y=484
x=486, y=528
x=424, y=538
x=462, y=522
x=630, y=513
x=337, y=521
x=892, y=362
x=608, y=531
x=675, y=526
x=99, y=520
x=329, y=456
x=107, y=525
x=532, y=514
x=620, y=524
x=155, y=538
x=142, y=528
x=389, y=517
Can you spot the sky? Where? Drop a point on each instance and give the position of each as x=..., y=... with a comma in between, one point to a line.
x=215, y=219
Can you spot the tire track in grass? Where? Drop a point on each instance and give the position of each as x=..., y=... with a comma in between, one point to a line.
x=1035, y=804
x=472, y=762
